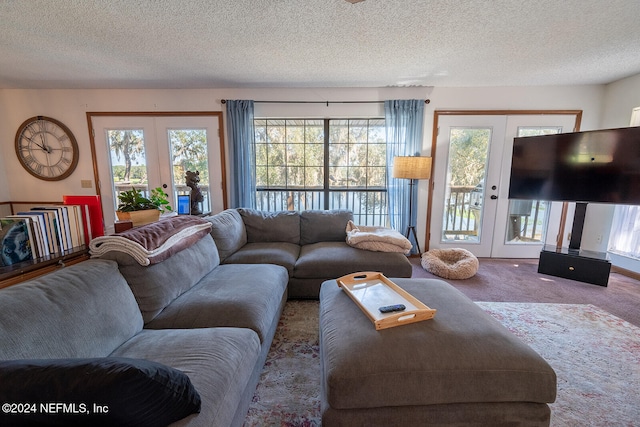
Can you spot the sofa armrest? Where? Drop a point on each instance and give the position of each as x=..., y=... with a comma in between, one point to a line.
x=156, y=286
x=228, y=231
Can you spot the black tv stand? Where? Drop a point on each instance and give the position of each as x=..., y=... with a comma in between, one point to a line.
x=573, y=263
x=583, y=266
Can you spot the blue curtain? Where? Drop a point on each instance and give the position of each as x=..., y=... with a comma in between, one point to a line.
x=404, y=121
x=242, y=153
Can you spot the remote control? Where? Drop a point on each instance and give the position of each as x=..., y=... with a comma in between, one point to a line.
x=392, y=308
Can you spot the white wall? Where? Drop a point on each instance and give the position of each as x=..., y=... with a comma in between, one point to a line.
x=4, y=189
x=71, y=106
x=620, y=99
x=6, y=145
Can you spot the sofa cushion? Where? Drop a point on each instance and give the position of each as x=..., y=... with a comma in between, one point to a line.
x=133, y=391
x=228, y=232
x=278, y=253
x=219, y=362
x=84, y=310
x=283, y=226
x=234, y=295
x=156, y=286
x=324, y=226
x=335, y=259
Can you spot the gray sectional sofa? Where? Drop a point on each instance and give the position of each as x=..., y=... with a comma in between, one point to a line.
x=192, y=330
x=309, y=244
x=214, y=323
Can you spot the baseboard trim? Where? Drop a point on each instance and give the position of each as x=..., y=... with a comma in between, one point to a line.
x=625, y=272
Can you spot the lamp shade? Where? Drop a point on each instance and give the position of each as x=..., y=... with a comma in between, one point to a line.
x=412, y=167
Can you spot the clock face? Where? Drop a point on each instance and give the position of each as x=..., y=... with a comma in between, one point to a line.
x=46, y=148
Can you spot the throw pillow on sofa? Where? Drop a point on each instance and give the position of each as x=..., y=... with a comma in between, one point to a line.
x=102, y=391
x=323, y=226
x=261, y=226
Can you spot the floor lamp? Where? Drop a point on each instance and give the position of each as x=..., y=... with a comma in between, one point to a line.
x=412, y=168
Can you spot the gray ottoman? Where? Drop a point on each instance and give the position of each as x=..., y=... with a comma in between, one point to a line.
x=460, y=368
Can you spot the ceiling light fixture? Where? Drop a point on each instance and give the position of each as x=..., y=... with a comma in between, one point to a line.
x=353, y=1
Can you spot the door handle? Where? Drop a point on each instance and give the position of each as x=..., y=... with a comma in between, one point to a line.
x=494, y=197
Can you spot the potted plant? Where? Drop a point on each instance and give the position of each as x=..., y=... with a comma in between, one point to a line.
x=140, y=210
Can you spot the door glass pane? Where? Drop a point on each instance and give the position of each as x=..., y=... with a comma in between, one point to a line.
x=527, y=222
x=466, y=171
x=188, y=149
x=128, y=161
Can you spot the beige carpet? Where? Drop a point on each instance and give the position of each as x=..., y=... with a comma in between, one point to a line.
x=518, y=280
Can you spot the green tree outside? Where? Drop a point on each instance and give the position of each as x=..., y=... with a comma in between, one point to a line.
x=189, y=151
x=468, y=153
x=128, y=144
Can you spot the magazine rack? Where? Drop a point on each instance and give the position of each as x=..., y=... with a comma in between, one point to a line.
x=371, y=290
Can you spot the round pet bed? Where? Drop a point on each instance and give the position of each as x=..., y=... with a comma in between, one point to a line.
x=456, y=263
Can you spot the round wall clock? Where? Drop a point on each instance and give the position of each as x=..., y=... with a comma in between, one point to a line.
x=46, y=148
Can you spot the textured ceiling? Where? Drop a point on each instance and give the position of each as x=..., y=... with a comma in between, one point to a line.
x=316, y=43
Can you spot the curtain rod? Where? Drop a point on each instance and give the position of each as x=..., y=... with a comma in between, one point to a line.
x=224, y=101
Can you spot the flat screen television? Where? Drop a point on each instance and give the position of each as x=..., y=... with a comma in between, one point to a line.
x=600, y=166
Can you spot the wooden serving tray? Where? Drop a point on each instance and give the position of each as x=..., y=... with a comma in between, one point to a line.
x=371, y=290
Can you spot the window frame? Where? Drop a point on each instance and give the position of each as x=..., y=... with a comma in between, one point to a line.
x=368, y=191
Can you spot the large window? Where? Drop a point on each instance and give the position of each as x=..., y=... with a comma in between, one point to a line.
x=625, y=232
x=322, y=164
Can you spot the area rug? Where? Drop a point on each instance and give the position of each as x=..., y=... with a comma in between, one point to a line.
x=288, y=394
x=596, y=357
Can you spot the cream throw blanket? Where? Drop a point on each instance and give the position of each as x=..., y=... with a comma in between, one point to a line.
x=379, y=239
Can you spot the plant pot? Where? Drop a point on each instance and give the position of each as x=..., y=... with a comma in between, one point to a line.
x=139, y=217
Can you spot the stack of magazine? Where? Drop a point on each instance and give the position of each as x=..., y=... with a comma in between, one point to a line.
x=44, y=232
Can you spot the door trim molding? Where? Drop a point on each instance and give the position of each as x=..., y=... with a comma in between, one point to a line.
x=223, y=161
x=434, y=137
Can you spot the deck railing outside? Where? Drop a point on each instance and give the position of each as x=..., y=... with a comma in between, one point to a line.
x=369, y=206
x=463, y=208
x=463, y=214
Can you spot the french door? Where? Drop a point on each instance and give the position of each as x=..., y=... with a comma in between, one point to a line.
x=147, y=151
x=470, y=207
